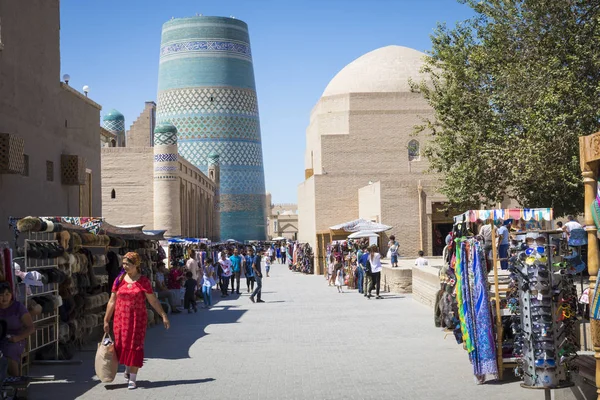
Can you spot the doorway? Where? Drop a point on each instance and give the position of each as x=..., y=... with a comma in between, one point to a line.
x=440, y=231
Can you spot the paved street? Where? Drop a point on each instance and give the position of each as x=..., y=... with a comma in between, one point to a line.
x=306, y=342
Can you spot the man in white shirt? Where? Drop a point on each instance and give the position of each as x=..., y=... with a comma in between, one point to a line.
x=571, y=224
x=421, y=261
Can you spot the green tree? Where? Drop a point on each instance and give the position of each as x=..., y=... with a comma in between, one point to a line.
x=512, y=89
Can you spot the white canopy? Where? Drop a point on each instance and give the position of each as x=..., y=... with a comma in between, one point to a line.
x=362, y=234
x=361, y=225
x=278, y=238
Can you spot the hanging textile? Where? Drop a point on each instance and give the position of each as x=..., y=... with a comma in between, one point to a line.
x=484, y=359
x=462, y=296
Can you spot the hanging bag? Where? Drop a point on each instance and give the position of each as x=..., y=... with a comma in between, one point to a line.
x=106, y=360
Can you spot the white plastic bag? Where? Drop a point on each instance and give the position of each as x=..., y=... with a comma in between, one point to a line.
x=106, y=361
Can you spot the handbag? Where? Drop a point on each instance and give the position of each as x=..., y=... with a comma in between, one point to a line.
x=368, y=268
x=106, y=363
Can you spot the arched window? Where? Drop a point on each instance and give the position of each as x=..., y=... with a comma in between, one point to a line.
x=113, y=143
x=113, y=194
x=414, y=150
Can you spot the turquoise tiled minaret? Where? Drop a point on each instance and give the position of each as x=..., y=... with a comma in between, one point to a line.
x=114, y=122
x=206, y=89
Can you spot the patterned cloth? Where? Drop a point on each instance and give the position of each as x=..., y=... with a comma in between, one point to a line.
x=484, y=357
x=130, y=320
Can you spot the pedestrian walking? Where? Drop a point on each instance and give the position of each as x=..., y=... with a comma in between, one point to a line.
x=128, y=304
x=256, y=266
x=249, y=271
x=236, y=269
x=283, y=251
x=339, y=279
x=225, y=264
x=189, y=298
x=208, y=281
x=375, y=262
x=278, y=251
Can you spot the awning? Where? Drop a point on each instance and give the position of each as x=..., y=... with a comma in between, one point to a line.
x=360, y=225
x=362, y=234
x=278, y=238
x=526, y=214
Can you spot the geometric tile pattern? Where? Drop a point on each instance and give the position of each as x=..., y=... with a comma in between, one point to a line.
x=165, y=157
x=165, y=139
x=216, y=127
x=114, y=126
x=165, y=169
x=207, y=46
x=242, y=181
x=238, y=153
x=206, y=100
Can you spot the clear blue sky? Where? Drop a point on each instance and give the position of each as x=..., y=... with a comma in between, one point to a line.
x=297, y=46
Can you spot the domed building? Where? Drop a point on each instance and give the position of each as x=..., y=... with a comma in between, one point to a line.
x=114, y=122
x=363, y=159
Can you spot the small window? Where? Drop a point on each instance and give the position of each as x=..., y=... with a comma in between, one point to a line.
x=113, y=194
x=66, y=123
x=49, y=171
x=25, y=165
x=212, y=99
x=414, y=150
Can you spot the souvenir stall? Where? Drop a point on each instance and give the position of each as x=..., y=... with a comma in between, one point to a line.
x=339, y=233
x=303, y=258
x=63, y=272
x=179, y=250
x=518, y=312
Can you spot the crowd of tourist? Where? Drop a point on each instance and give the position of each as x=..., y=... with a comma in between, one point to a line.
x=197, y=277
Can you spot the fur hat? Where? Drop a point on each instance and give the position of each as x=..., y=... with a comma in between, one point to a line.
x=29, y=224
x=64, y=238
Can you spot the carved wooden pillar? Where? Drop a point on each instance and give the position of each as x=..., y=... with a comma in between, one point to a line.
x=589, y=151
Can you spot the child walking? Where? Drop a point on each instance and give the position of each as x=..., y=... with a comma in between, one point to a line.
x=339, y=279
x=189, y=298
x=267, y=264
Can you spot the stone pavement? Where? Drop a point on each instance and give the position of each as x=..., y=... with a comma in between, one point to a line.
x=306, y=342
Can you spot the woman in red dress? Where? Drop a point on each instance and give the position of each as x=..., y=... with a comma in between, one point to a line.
x=128, y=303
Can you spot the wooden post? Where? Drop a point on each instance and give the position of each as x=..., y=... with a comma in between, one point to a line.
x=499, y=329
x=589, y=155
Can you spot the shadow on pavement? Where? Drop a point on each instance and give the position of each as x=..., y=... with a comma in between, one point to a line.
x=74, y=381
x=152, y=385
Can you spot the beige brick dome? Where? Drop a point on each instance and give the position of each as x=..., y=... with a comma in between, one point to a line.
x=386, y=69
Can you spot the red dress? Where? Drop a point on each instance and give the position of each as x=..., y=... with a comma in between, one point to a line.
x=130, y=321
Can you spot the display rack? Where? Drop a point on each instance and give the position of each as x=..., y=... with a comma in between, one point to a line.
x=46, y=325
x=499, y=294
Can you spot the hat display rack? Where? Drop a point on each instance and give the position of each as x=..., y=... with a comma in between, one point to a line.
x=41, y=251
x=545, y=336
x=65, y=278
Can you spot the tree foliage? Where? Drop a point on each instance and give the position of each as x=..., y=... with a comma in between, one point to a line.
x=512, y=89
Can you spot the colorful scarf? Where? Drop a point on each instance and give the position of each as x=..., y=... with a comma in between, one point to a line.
x=463, y=296
x=484, y=357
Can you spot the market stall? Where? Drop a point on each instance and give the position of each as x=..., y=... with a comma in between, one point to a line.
x=519, y=315
x=63, y=271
